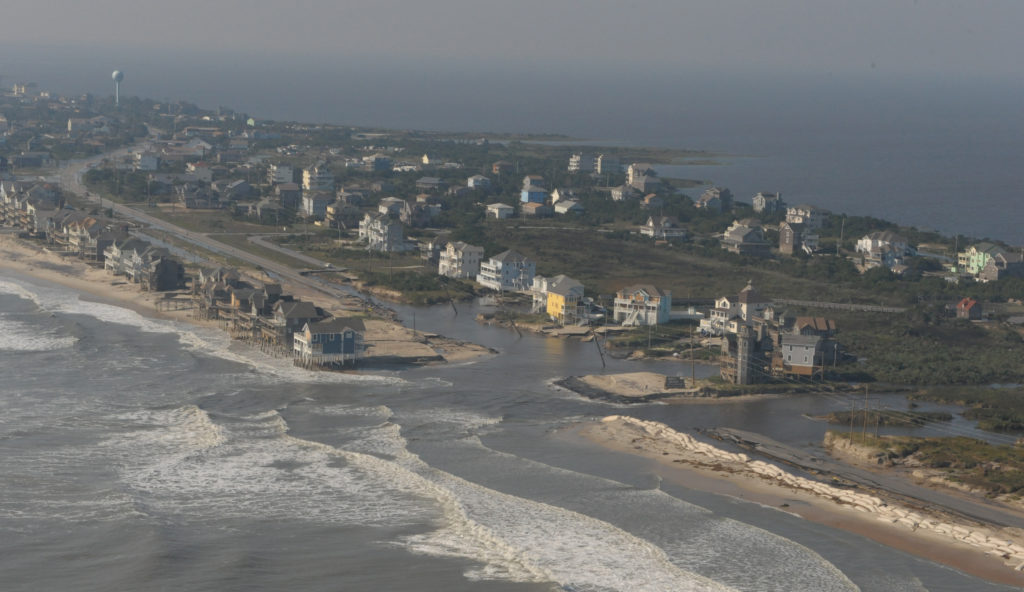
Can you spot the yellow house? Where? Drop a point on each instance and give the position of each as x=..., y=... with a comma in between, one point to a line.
x=564, y=295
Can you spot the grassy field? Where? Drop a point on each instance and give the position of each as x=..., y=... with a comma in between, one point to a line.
x=241, y=241
x=207, y=221
x=993, y=469
x=606, y=264
x=886, y=418
x=997, y=409
x=912, y=349
x=920, y=347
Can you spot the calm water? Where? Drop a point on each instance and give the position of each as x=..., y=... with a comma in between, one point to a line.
x=941, y=153
x=146, y=455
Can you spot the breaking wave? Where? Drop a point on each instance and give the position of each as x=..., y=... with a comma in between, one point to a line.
x=19, y=336
x=202, y=340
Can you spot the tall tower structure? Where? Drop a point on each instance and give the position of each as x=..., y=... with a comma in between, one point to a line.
x=118, y=76
x=744, y=354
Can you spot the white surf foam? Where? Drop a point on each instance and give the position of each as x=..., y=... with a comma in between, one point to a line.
x=16, y=335
x=179, y=461
x=381, y=412
x=469, y=421
x=527, y=540
x=182, y=463
x=16, y=289
x=194, y=430
x=755, y=560
x=770, y=563
x=203, y=340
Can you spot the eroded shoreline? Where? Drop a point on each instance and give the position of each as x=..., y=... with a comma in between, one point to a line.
x=392, y=345
x=992, y=553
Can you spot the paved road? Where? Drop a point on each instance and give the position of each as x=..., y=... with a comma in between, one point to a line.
x=841, y=306
x=894, y=484
x=71, y=180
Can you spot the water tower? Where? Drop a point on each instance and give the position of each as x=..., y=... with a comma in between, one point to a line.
x=118, y=76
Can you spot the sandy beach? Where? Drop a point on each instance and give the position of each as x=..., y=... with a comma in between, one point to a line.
x=389, y=343
x=991, y=553
x=645, y=387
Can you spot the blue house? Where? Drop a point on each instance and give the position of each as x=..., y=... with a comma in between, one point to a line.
x=533, y=194
x=331, y=342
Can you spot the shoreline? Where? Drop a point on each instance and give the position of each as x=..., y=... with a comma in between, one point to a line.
x=635, y=388
x=394, y=346
x=974, y=549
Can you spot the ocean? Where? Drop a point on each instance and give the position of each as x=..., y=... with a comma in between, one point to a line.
x=140, y=454
x=147, y=455
x=927, y=151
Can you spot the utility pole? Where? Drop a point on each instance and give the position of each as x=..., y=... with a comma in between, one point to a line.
x=864, y=428
x=842, y=229
x=853, y=413
x=693, y=365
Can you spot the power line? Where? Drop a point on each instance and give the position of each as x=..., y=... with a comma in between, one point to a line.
x=936, y=425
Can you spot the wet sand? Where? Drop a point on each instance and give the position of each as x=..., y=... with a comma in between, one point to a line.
x=729, y=474
x=390, y=341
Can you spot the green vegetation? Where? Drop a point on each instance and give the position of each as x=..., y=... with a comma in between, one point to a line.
x=241, y=242
x=662, y=340
x=995, y=409
x=121, y=186
x=900, y=419
x=925, y=347
x=420, y=288
x=993, y=469
x=601, y=247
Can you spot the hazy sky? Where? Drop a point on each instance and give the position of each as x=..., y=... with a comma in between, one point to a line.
x=930, y=37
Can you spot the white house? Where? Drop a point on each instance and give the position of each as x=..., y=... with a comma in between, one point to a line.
x=500, y=211
x=382, y=233
x=624, y=192
x=642, y=305
x=568, y=206
x=507, y=271
x=637, y=170
x=800, y=353
x=147, y=161
x=460, y=260
x=811, y=216
x=605, y=164
x=715, y=199
x=318, y=178
x=478, y=182
x=663, y=228
x=561, y=193
x=745, y=237
x=391, y=206
x=723, y=318
x=534, y=181
x=581, y=162
x=886, y=238
x=279, y=173
x=767, y=203
x=315, y=204
x=201, y=170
